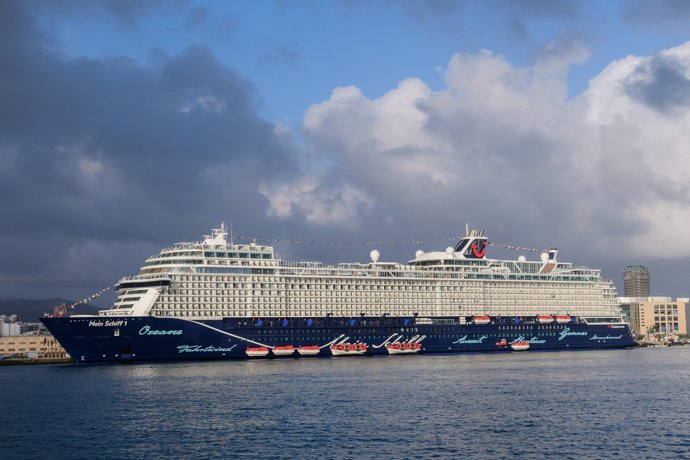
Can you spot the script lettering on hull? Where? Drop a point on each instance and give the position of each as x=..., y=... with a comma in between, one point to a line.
x=567, y=332
x=146, y=330
x=534, y=339
x=202, y=349
x=606, y=337
x=464, y=339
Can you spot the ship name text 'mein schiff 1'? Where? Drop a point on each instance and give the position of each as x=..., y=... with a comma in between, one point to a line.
x=218, y=300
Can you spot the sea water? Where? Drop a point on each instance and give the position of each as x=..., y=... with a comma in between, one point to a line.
x=631, y=403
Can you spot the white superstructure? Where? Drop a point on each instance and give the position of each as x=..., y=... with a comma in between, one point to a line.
x=215, y=278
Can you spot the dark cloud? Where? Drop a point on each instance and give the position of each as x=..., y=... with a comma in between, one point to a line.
x=655, y=12
x=425, y=12
x=432, y=8
x=511, y=10
x=283, y=55
x=662, y=84
x=196, y=17
x=100, y=158
x=516, y=30
x=225, y=23
x=129, y=11
x=561, y=9
x=564, y=48
x=126, y=12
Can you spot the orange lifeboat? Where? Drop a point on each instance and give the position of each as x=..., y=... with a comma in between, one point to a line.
x=481, y=319
x=502, y=343
x=308, y=350
x=283, y=350
x=545, y=319
x=562, y=319
x=520, y=346
x=348, y=349
x=256, y=352
x=403, y=348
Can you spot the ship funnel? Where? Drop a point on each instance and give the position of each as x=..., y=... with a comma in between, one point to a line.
x=472, y=245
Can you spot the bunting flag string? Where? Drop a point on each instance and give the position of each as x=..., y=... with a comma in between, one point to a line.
x=516, y=248
x=377, y=243
x=91, y=297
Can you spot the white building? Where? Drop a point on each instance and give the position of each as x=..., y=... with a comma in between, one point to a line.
x=9, y=329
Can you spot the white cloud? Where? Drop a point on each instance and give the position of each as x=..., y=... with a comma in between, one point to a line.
x=506, y=146
x=87, y=166
x=324, y=206
x=90, y=167
x=208, y=103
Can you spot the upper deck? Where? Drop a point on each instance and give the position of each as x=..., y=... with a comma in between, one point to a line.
x=218, y=278
x=215, y=255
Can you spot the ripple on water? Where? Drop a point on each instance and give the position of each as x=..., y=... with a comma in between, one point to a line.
x=595, y=404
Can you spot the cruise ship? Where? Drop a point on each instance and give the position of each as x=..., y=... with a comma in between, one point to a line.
x=216, y=299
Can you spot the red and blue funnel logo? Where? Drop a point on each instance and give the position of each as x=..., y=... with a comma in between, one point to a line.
x=476, y=250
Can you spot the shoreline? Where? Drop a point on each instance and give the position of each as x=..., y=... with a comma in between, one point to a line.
x=34, y=361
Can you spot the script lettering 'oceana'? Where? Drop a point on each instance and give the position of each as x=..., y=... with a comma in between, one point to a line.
x=146, y=330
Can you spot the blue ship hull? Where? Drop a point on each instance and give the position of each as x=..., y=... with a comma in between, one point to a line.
x=142, y=339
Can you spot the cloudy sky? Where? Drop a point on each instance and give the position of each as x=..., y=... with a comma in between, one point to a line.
x=128, y=125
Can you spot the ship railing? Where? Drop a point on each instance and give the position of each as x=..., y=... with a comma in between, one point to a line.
x=307, y=264
x=184, y=245
x=603, y=319
x=144, y=277
x=583, y=268
x=355, y=270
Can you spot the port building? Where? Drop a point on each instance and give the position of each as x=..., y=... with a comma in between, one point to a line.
x=658, y=314
x=31, y=346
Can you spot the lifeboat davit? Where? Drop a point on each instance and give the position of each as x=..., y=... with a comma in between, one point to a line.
x=403, y=348
x=348, y=349
x=481, y=319
x=309, y=350
x=502, y=343
x=256, y=352
x=283, y=350
x=562, y=319
x=520, y=346
x=545, y=319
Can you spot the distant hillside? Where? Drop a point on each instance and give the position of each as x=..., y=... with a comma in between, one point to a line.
x=31, y=309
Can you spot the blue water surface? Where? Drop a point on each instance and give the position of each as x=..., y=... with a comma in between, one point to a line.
x=586, y=404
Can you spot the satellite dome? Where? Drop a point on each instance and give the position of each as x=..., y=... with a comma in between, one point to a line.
x=450, y=250
x=544, y=256
x=374, y=255
x=418, y=253
x=522, y=259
